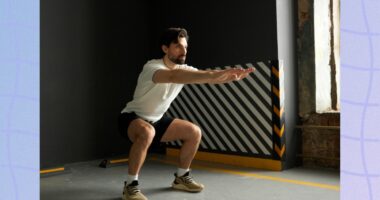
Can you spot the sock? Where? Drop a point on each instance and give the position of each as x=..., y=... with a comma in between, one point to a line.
x=181, y=172
x=132, y=178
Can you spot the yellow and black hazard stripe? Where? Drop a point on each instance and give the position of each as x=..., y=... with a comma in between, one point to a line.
x=278, y=116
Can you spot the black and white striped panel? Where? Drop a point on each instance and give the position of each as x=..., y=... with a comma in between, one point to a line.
x=236, y=117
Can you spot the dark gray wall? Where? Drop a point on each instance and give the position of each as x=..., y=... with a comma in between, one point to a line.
x=91, y=53
x=221, y=32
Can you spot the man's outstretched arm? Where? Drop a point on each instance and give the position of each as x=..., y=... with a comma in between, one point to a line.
x=201, y=76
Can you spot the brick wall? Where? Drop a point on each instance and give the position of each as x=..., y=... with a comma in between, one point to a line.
x=321, y=140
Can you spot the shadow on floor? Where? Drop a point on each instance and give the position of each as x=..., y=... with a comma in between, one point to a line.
x=160, y=190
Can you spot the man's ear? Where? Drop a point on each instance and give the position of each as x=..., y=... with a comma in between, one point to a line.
x=164, y=49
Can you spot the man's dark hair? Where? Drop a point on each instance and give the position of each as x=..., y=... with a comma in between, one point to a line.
x=171, y=35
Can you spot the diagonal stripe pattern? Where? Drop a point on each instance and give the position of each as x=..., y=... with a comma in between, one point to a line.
x=237, y=117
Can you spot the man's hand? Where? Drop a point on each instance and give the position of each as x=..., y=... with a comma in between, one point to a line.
x=232, y=74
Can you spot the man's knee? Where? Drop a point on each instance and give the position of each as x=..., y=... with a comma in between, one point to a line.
x=145, y=135
x=197, y=132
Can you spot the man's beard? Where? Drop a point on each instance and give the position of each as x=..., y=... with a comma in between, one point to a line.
x=179, y=60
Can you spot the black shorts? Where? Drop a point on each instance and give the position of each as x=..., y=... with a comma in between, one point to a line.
x=160, y=126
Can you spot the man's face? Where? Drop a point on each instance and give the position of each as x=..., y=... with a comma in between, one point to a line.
x=177, y=51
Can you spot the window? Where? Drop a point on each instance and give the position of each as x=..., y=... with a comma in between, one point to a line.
x=327, y=55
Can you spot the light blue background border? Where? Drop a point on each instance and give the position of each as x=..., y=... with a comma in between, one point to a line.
x=360, y=99
x=19, y=99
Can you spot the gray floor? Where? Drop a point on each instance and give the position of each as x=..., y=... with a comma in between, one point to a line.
x=84, y=181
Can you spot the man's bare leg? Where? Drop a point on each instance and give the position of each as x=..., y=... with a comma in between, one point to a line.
x=141, y=134
x=191, y=136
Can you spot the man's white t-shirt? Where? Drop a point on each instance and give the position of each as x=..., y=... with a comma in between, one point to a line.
x=151, y=100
